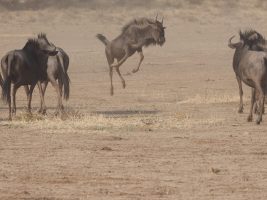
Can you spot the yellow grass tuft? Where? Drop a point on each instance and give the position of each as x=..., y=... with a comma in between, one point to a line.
x=74, y=121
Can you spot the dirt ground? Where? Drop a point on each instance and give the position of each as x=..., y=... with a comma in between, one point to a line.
x=172, y=133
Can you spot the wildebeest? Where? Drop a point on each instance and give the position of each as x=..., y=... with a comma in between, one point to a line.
x=26, y=66
x=57, y=67
x=134, y=36
x=256, y=42
x=251, y=67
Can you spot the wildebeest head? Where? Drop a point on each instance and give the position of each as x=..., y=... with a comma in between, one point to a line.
x=45, y=46
x=159, y=34
x=253, y=39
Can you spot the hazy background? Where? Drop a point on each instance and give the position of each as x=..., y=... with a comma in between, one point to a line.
x=95, y=4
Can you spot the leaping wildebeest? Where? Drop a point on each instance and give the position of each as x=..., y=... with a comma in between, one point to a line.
x=135, y=35
x=251, y=68
x=26, y=66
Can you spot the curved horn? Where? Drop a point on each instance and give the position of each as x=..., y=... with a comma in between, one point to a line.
x=162, y=21
x=233, y=45
x=156, y=17
x=254, y=36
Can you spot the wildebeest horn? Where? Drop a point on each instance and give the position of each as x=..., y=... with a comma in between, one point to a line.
x=233, y=45
x=253, y=36
x=156, y=17
x=162, y=20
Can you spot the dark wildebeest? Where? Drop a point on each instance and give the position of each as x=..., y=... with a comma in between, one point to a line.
x=57, y=67
x=256, y=42
x=135, y=35
x=251, y=67
x=26, y=66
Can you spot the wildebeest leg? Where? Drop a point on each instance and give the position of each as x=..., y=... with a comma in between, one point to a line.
x=252, y=105
x=56, y=86
x=30, y=97
x=26, y=88
x=60, y=84
x=15, y=88
x=42, y=109
x=110, y=60
x=111, y=84
x=141, y=59
x=240, y=110
x=122, y=80
x=260, y=103
x=9, y=105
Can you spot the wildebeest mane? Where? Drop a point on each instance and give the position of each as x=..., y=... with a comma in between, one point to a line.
x=139, y=22
x=32, y=43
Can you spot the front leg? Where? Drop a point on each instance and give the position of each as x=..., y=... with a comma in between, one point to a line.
x=30, y=97
x=141, y=59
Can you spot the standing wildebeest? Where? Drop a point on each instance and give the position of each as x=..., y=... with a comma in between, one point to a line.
x=135, y=35
x=256, y=42
x=26, y=66
x=251, y=67
x=57, y=67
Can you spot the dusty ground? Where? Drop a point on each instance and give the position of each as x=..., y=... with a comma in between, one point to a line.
x=173, y=133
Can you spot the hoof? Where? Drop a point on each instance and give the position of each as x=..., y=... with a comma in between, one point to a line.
x=249, y=119
x=258, y=121
x=240, y=110
x=123, y=85
x=43, y=112
x=135, y=70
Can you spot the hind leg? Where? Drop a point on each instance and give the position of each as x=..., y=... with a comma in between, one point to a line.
x=240, y=110
x=260, y=104
x=56, y=86
x=110, y=60
x=122, y=80
x=15, y=88
x=249, y=119
x=60, y=90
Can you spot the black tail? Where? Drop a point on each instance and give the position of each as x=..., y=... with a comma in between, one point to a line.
x=103, y=39
x=1, y=81
x=6, y=87
x=64, y=78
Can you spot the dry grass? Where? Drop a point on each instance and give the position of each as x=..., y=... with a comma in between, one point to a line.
x=75, y=121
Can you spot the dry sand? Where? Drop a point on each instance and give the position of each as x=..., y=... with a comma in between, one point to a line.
x=173, y=133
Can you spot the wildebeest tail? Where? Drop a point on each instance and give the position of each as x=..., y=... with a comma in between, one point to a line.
x=64, y=78
x=6, y=87
x=1, y=81
x=103, y=39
